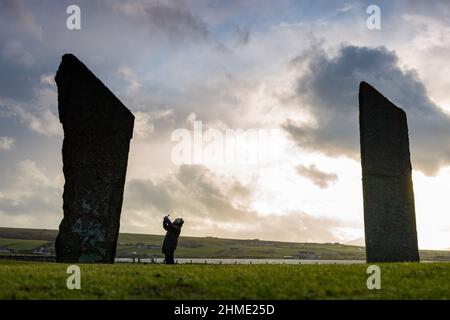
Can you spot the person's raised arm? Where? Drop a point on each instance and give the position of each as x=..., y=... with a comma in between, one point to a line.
x=168, y=225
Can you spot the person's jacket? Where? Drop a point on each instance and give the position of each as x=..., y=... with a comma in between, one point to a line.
x=171, y=238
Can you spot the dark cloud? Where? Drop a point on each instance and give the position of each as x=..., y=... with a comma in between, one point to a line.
x=243, y=36
x=171, y=19
x=319, y=178
x=329, y=91
x=177, y=22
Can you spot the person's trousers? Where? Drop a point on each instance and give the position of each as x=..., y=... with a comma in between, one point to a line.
x=169, y=258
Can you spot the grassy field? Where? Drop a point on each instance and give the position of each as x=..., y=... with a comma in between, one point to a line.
x=207, y=247
x=21, y=245
x=22, y=280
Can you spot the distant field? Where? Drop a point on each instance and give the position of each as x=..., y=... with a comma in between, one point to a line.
x=22, y=245
x=207, y=247
x=128, y=281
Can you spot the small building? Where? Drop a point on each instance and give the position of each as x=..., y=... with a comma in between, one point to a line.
x=42, y=250
x=143, y=246
x=310, y=255
x=5, y=250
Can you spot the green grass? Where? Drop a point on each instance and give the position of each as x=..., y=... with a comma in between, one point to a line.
x=21, y=280
x=208, y=247
x=22, y=245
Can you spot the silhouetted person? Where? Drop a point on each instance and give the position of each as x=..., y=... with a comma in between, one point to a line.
x=171, y=238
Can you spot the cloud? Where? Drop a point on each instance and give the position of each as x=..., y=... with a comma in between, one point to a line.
x=439, y=9
x=129, y=76
x=143, y=126
x=15, y=52
x=328, y=90
x=431, y=50
x=145, y=121
x=6, y=143
x=31, y=193
x=40, y=114
x=211, y=205
x=347, y=7
x=192, y=190
x=243, y=36
x=215, y=205
x=168, y=18
x=40, y=120
x=176, y=70
x=48, y=79
x=319, y=178
x=16, y=13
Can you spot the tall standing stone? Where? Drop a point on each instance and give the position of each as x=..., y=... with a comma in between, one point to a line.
x=389, y=212
x=97, y=132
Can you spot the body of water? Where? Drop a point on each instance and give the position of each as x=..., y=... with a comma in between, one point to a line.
x=242, y=261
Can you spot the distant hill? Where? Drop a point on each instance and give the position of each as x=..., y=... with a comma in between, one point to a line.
x=147, y=245
x=28, y=234
x=356, y=242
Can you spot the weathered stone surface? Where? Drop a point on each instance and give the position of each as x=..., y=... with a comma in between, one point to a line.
x=389, y=211
x=97, y=132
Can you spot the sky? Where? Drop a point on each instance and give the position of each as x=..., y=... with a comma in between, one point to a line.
x=287, y=70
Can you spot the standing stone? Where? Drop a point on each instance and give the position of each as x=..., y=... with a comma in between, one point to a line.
x=97, y=132
x=389, y=212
